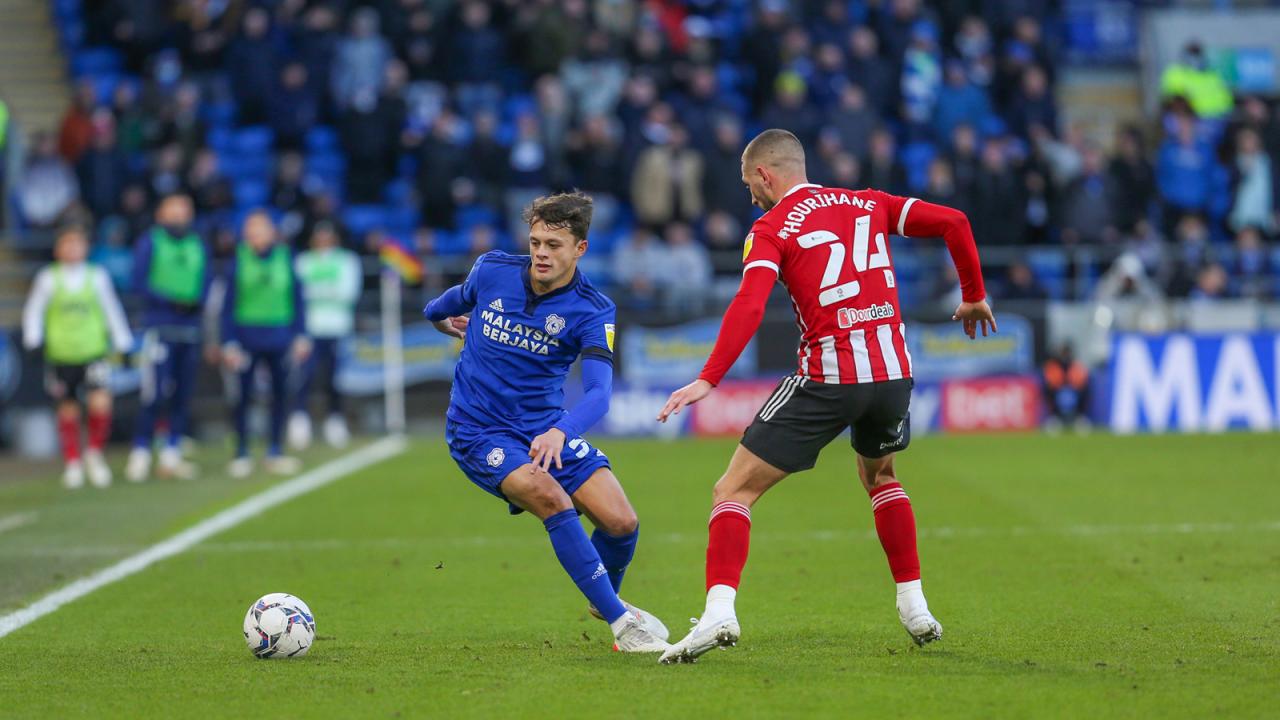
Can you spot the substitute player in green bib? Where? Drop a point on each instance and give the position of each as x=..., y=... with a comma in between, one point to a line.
x=74, y=313
x=263, y=317
x=172, y=274
x=331, y=280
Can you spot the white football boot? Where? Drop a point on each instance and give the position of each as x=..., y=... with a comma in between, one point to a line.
x=648, y=619
x=138, y=466
x=99, y=471
x=336, y=432
x=709, y=633
x=240, y=468
x=299, y=431
x=73, y=475
x=281, y=465
x=914, y=613
x=172, y=465
x=630, y=636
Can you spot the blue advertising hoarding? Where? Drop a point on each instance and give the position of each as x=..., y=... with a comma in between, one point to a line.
x=676, y=354
x=428, y=355
x=944, y=352
x=1194, y=382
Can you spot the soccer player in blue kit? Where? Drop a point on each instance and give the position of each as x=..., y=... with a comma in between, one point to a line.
x=506, y=428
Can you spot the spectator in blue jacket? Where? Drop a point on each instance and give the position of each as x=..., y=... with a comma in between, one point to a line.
x=1184, y=171
x=362, y=55
x=295, y=106
x=960, y=102
x=263, y=323
x=252, y=62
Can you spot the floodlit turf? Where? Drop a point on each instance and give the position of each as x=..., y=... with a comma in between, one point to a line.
x=1075, y=577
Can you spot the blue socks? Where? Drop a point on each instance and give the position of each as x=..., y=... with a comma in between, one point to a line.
x=616, y=553
x=582, y=562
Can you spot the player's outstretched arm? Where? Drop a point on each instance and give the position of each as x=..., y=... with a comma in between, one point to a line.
x=741, y=321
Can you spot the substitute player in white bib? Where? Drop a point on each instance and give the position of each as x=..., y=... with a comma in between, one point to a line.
x=74, y=313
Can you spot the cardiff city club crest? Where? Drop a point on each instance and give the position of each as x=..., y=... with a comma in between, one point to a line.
x=496, y=456
x=555, y=324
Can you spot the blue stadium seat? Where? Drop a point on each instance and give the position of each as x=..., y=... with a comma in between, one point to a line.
x=906, y=265
x=360, y=219
x=407, y=166
x=916, y=157
x=450, y=244
x=519, y=104
x=239, y=167
x=251, y=192
x=398, y=192
x=1050, y=268
x=470, y=216
x=604, y=241
x=322, y=139
x=96, y=61
x=328, y=170
x=992, y=126
x=403, y=219
x=104, y=85
x=254, y=140
x=70, y=34
x=219, y=114
x=220, y=139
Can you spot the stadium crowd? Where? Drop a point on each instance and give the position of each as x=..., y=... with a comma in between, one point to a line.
x=437, y=121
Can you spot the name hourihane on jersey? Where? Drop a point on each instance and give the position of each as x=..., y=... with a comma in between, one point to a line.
x=829, y=247
x=534, y=315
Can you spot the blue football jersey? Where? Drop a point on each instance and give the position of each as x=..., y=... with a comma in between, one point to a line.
x=519, y=346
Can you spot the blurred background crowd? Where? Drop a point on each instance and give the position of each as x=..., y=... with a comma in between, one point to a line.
x=435, y=121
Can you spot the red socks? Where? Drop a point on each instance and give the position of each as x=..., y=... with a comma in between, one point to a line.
x=896, y=526
x=728, y=539
x=69, y=434
x=99, y=429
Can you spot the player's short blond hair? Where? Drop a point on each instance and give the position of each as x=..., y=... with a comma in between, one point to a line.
x=775, y=148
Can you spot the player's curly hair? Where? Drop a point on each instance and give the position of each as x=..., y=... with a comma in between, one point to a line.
x=570, y=210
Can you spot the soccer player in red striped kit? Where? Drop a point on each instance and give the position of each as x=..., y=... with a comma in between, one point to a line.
x=829, y=247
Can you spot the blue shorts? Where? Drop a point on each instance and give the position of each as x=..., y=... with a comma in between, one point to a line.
x=488, y=455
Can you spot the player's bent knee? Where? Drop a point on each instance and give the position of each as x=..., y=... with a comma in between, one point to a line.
x=732, y=488
x=875, y=472
x=621, y=523
x=536, y=491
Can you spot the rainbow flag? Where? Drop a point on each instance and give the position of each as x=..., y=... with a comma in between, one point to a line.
x=399, y=259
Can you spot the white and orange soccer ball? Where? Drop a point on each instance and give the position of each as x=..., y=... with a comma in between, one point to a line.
x=279, y=625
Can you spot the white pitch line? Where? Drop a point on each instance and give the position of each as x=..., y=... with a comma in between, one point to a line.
x=15, y=521
x=232, y=516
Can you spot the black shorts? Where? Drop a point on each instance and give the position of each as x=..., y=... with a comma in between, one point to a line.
x=66, y=381
x=801, y=417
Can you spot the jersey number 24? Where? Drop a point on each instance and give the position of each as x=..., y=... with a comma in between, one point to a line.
x=832, y=290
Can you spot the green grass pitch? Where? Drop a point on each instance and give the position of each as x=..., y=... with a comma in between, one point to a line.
x=1075, y=576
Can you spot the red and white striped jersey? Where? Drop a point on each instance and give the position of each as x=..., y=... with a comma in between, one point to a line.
x=830, y=248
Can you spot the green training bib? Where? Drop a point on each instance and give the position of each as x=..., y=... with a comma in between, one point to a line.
x=264, y=288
